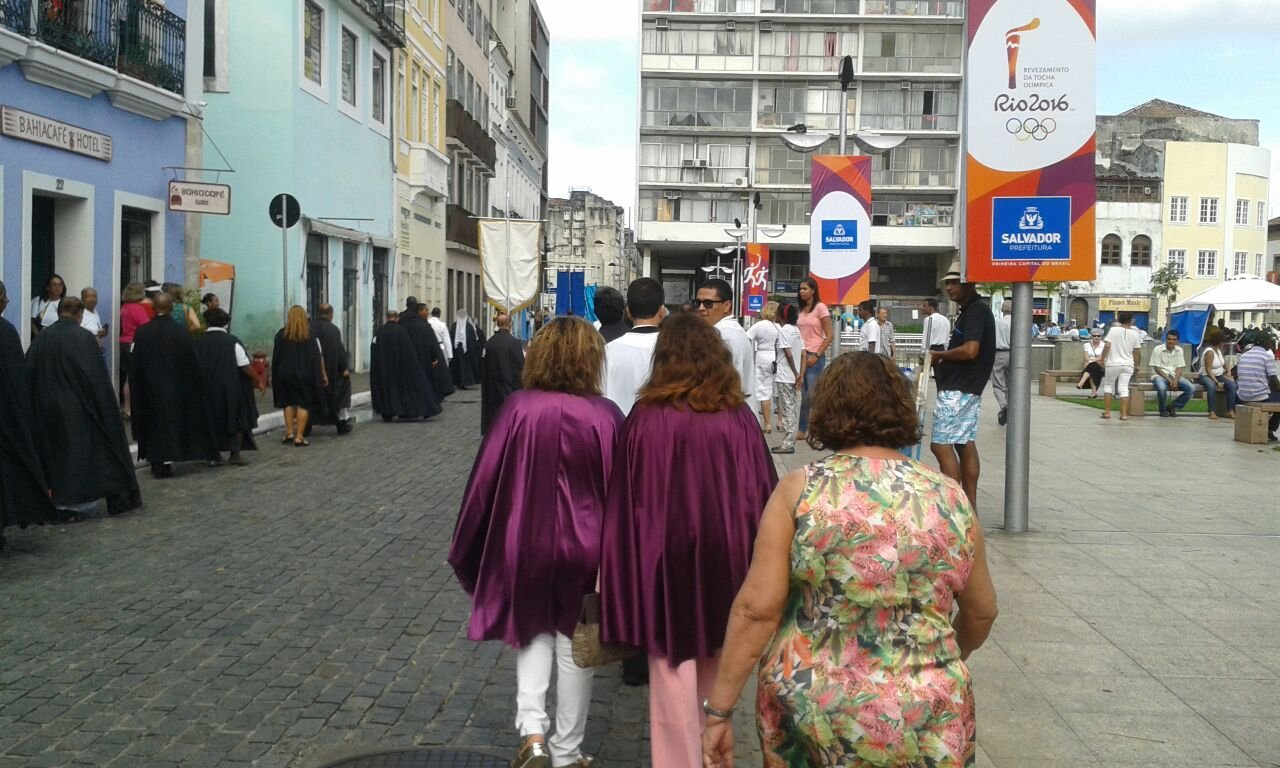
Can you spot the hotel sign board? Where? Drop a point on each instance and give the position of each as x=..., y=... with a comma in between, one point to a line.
x=19, y=124
x=199, y=197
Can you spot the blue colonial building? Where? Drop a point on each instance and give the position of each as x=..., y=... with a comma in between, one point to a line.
x=93, y=125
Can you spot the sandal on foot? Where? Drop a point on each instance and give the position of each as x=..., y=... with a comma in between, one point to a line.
x=301, y=443
x=532, y=754
x=287, y=439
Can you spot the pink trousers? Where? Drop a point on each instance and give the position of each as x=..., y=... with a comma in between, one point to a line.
x=675, y=710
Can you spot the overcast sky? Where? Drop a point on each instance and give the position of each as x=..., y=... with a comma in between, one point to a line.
x=1215, y=56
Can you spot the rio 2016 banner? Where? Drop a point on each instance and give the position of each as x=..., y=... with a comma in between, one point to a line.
x=755, y=280
x=1031, y=130
x=840, y=228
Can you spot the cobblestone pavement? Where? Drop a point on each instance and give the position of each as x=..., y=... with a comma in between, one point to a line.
x=283, y=614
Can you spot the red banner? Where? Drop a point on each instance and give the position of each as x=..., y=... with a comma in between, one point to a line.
x=755, y=280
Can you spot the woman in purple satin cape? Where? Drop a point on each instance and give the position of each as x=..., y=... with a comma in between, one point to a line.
x=691, y=478
x=527, y=544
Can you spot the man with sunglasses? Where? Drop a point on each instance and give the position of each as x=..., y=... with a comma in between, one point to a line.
x=714, y=304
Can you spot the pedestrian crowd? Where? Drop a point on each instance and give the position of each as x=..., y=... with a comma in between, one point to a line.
x=624, y=504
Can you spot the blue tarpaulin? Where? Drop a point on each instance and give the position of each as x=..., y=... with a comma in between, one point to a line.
x=1190, y=324
x=589, y=312
x=571, y=293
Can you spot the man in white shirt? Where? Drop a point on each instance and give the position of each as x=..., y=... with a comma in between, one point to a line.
x=628, y=358
x=869, y=339
x=442, y=334
x=937, y=328
x=1121, y=355
x=714, y=303
x=1000, y=372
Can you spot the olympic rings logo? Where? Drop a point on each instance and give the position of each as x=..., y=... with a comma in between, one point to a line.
x=1031, y=128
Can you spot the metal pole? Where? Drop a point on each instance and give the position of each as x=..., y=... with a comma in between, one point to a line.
x=284, y=247
x=1017, y=472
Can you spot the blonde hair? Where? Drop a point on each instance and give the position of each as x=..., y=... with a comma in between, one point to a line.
x=770, y=312
x=296, y=326
x=566, y=355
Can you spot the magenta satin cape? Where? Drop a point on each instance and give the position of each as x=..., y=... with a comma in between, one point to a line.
x=527, y=544
x=685, y=501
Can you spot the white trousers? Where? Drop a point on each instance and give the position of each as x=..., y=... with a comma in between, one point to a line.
x=573, y=696
x=1115, y=380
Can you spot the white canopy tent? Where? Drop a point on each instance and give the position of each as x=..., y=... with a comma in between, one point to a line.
x=1242, y=294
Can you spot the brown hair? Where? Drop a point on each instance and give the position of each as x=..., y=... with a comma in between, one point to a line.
x=566, y=355
x=862, y=399
x=296, y=327
x=692, y=367
x=132, y=293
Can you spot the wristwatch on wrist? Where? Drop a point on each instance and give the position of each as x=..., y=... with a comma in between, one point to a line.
x=713, y=712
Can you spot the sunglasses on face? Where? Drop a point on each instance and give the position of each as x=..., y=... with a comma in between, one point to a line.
x=707, y=303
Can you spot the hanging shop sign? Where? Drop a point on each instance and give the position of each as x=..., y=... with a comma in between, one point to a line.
x=1030, y=127
x=840, y=228
x=19, y=124
x=199, y=197
x=1125, y=304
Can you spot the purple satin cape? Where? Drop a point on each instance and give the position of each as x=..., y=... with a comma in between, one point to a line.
x=685, y=501
x=527, y=544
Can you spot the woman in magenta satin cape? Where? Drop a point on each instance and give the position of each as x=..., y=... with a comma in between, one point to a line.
x=691, y=477
x=527, y=544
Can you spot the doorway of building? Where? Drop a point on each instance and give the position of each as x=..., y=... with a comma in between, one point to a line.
x=380, y=277
x=1080, y=313
x=43, y=242
x=350, y=292
x=317, y=272
x=135, y=245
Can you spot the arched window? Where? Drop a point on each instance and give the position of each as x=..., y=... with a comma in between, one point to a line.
x=1111, y=247
x=1141, y=255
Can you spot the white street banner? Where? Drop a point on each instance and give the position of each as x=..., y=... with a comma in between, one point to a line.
x=509, y=258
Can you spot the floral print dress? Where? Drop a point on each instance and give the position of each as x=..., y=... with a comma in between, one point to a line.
x=865, y=669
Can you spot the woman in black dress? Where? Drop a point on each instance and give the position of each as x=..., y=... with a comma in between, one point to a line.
x=297, y=375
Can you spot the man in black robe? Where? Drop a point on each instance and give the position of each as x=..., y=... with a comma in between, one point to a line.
x=24, y=491
x=464, y=366
x=170, y=418
x=415, y=320
x=503, y=367
x=335, y=402
x=81, y=438
x=229, y=381
x=398, y=383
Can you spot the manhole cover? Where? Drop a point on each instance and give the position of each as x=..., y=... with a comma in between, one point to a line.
x=423, y=758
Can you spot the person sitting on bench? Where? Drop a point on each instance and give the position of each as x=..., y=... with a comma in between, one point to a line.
x=1167, y=363
x=1256, y=375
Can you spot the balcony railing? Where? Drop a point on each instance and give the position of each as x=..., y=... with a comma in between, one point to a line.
x=389, y=16
x=460, y=227
x=947, y=8
x=136, y=37
x=466, y=129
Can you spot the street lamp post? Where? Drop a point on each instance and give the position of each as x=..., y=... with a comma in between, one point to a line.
x=738, y=233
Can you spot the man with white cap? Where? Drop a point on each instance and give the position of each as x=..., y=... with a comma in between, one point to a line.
x=961, y=372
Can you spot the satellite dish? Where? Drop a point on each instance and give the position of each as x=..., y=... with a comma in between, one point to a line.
x=805, y=142
x=875, y=143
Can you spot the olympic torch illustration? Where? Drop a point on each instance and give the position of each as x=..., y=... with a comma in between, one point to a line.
x=1012, y=42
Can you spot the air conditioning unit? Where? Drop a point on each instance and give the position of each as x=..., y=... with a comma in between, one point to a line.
x=688, y=162
x=672, y=194
x=741, y=181
x=766, y=26
x=511, y=102
x=701, y=163
x=730, y=26
x=905, y=85
x=662, y=24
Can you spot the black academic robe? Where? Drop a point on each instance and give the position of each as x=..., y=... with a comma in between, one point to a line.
x=465, y=365
x=612, y=331
x=228, y=392
x=427, y=346
x=398, y=384
x=81, y=437
x=296, y=380
x=503, y=367
x=334, y=353
x=170, y=419
x=24, y=490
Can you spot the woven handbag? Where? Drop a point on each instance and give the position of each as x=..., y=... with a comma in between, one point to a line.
x=588, y=650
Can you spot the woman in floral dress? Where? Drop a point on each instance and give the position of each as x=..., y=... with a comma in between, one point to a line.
x=847, y=605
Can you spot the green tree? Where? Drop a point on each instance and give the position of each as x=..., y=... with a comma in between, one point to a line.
x=1164, y=285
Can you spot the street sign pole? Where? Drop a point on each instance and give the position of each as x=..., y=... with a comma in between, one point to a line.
x=1017, y=476
x=284, y=211
x=284, y=276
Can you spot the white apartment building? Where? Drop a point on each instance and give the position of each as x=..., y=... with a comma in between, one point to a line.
x=721, y=80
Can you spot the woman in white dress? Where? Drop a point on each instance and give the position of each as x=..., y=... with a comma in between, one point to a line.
x=764, y=337
x=44, y=308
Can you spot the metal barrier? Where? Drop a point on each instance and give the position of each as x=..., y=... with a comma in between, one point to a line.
x=153, y=45
x=15, y=15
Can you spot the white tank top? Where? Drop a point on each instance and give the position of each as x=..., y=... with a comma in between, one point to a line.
x=1218, y=366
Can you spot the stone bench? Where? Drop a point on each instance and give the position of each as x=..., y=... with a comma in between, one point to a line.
x=1138, y=395
x=1251, y=421
x=1049, y=381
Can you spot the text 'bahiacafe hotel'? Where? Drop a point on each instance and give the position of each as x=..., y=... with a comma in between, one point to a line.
x=722, y=80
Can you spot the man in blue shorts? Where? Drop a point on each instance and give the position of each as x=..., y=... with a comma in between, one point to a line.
x=961, y=372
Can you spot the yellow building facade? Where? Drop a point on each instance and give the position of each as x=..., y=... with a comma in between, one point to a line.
x=1215, y=214
x=422, y=164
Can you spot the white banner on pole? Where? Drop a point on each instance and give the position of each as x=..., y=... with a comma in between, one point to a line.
x=509, y=259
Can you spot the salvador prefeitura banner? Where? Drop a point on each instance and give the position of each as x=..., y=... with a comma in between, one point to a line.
x=1030, y=128
x=840, y=228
